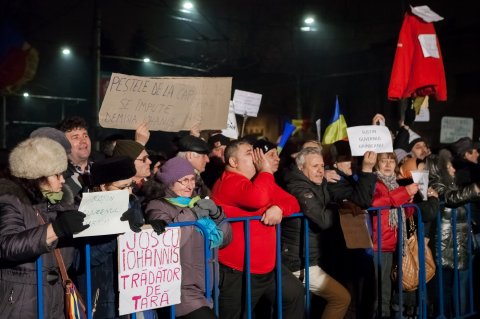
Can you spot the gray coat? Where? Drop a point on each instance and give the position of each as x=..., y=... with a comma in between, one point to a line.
x=191, y=252
x=22, y=241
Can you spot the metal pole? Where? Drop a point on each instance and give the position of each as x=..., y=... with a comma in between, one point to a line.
x=3, y=120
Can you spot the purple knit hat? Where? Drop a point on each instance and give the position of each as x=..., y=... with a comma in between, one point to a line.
x=173, y=170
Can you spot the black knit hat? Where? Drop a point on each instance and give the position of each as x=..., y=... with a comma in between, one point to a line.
x=112, y=169
x=340, y=152
x=190, y=143
x=54, y=134
x=128, y=148
x=264, y=145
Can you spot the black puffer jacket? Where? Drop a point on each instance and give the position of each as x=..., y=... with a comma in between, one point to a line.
x=313, y=200
x=22, y=241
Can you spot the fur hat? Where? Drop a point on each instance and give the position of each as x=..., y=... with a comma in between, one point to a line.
x=463, y=145
x=190, y=143
x=112, y=169
x=37, y=157
x=264, y=145
x=54, y=134
x=173, y=170
x=128, y=148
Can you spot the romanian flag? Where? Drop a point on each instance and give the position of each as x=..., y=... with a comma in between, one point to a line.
x=337, y=129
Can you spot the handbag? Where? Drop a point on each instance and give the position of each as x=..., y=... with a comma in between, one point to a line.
x=74, y=305
x=410, y=261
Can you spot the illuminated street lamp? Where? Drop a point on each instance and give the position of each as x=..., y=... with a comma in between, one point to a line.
x=309, y=20
x=146, y=60
x=187, y=5
x=66, y=51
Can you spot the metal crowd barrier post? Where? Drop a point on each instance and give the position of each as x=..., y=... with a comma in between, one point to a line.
x=40, y=287
x=438, y=260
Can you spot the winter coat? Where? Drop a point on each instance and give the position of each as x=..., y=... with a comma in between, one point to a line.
x=394, y=198
x=22, y=241
x=191, y=252
x=454, y=196
x=242, y=197
x=413, y=74
x=313, y=200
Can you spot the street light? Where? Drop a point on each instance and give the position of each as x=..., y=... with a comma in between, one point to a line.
x=25, y=94
x=309, y=20
x=146, y=60
x=187, y=5
x=66, y=51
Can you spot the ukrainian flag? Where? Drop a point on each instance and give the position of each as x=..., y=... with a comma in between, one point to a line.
x=337, y=129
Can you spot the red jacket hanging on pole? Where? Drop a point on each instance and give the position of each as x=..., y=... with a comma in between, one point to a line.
x=413, y=74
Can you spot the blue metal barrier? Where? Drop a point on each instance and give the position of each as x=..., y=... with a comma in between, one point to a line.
x=422, y=296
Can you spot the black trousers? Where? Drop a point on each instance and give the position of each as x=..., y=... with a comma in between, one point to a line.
x=232, y=299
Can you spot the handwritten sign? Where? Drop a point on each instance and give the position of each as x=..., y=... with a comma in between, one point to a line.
x=246, y=103
x=421, y=178
x=232, y=129
x=453, y=128
x=103, y=210
x=168, y=104
x=375, y=138
x=149, y=272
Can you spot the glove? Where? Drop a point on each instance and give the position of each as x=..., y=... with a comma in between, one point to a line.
x=134, y=216
x=158, y=225
x=207, y=207
x=68, y=223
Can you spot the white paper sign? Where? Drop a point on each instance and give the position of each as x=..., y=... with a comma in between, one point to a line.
x=453, y=128
x=421, y=178
x=369, y=138
x=426, y=14
x=423, y=116
x=428, y=42
x=103, y=210
x=232, y=129
x=246, y=102
x=149, y=271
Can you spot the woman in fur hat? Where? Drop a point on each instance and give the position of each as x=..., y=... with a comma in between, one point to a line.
x=36, y=215
x=173, y=200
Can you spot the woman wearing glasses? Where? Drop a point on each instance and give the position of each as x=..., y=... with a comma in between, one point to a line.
x=172, y=199
x=36, y=217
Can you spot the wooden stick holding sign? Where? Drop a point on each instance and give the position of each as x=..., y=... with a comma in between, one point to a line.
x=246, y=104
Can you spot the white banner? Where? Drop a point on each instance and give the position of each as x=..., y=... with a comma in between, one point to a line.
x=375, y=138
x=103, y=210
x=246, y=103
x=149, y=271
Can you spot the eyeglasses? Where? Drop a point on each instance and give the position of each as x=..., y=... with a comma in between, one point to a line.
x=185, y=182
x=143, y=159
x=122, y=187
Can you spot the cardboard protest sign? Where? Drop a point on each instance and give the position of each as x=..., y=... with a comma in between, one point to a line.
x=375, y=138
x=168, y=104
x=149, y=271
x=103, y=210
x=232, y=129
x=246, y=103
x=453, y=128
x=421, y=178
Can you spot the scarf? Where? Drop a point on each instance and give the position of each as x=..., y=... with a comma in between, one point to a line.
x=215, y=234
x=391, y=183
x=53, y=197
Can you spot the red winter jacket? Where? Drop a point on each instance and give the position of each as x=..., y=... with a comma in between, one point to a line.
x=394, y=198
x=240, y=197
x=412, y=73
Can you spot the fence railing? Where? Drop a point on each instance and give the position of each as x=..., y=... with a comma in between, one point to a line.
x=422, y=291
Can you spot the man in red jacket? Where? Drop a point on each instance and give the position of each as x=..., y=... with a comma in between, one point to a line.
x=242, y=195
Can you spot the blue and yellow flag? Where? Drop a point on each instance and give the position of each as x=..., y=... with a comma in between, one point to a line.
x=337, y=129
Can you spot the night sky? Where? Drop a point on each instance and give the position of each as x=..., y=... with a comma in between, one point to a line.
x=258, y=43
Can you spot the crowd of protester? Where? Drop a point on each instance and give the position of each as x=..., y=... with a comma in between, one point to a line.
x=210, y=180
